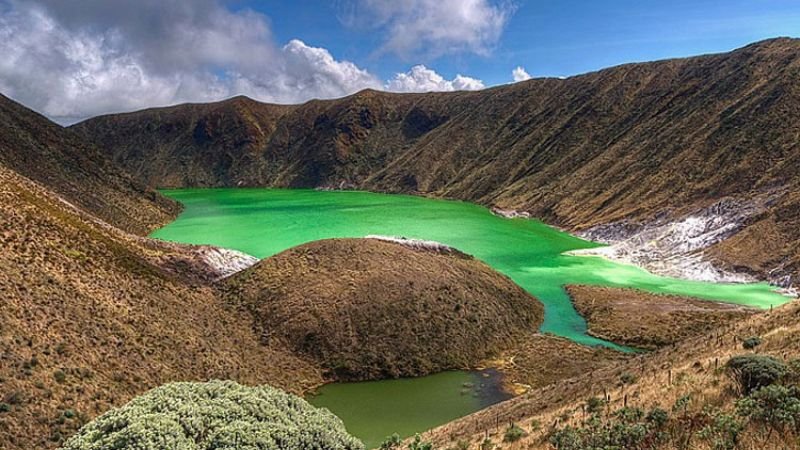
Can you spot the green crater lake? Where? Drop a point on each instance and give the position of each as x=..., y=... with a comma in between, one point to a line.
x=263, y=222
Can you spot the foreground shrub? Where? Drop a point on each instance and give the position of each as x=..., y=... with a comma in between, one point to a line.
x=751, y=342
x=219, y=415
x=514, y=433
x=722, y=432
x=752, y=372
x=627, y=428
x=776, y=407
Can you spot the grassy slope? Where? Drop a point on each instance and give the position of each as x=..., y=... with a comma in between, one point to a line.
x=367, y=309
x=644, y=320
x=89, y=319
x=662, y=377
x=75, y=169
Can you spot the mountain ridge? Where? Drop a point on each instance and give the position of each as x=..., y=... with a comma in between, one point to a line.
x=631, y=145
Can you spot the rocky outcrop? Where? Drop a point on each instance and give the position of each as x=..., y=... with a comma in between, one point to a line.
x=678, y=247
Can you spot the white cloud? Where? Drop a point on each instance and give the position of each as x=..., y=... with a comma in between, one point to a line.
x=433, y=27
x=115, y=55
x=520, y=74
x=71, y=66
x=422, y=79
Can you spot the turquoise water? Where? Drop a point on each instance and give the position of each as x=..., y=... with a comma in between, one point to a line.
x=263, y=222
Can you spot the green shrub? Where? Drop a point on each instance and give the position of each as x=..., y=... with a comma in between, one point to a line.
x=627, y=428
x=658, y=417
x=5, y=407
x=752, y=372
x=751, y=342
x=723, y=432
x=60, y=376
x=391, y=442
x=214, y=415
x=514, y=433
x=793, y=372
x=595, y=405
x=627, y=378
x=419, y=444
x=567, y=438
x=776, y=407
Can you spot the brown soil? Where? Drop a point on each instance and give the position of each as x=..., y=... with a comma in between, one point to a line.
x=367, y=309
x=649, y=321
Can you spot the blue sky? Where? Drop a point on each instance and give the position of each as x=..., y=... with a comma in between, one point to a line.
x=555, y=37
x=77, y=59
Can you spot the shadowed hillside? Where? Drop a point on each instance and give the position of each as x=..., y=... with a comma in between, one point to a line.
x=75, y=169
x=630, y=145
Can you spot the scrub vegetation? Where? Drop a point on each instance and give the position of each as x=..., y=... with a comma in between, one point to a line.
x=214, y=415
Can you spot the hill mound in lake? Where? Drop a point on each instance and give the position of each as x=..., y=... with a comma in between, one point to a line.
x=366, y=308
x=631, y=146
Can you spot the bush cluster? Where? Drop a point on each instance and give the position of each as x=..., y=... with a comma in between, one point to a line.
x=752, y=372
x=218, y=415
x=628, y=428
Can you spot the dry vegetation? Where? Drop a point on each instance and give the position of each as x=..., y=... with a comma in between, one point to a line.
x=89, y=319
x=689, y=374
x=649, y=321
x=367, y=309
x=76, y=170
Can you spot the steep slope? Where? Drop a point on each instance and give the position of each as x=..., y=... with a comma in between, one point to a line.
x=629, y=146
x=75, y=169
x=687, y=381
x=367, y=309
x=91, y=316
x=192, y=145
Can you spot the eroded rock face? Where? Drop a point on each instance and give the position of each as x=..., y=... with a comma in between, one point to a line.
x=677, y=247
x=674, y=247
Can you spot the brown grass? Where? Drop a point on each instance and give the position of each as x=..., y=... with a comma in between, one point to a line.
x=367, y=309
x=648, y=321
x=688, y=368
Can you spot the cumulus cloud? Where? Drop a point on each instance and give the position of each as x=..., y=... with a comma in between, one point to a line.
x=107, y=56
x=433, y=27
x=520, y=74
x=71, y=61
x=423, y=79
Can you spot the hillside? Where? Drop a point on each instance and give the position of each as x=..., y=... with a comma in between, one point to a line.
x=92, y=316
x=687, y=381
x=649, y=321
x=75, y=169
x=627, y=148
x=368, y=309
